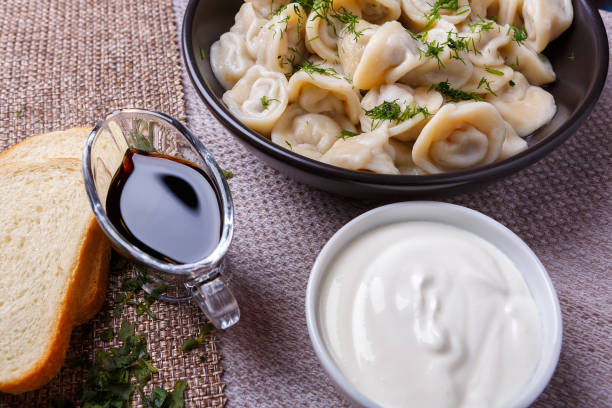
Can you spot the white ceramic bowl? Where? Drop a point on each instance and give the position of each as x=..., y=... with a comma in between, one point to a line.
x=531, y=268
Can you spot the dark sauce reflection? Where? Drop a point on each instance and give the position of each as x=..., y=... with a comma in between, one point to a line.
x=165, y=206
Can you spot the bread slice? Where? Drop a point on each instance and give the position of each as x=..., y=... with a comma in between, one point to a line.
x=69, y=144
x=62, y=144
x=46, y=233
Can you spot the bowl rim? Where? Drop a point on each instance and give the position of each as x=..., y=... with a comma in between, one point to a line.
x=439, y=211
x=478, y=174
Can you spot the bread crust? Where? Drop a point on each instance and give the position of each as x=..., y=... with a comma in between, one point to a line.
x=51, y=362
x=6, y=154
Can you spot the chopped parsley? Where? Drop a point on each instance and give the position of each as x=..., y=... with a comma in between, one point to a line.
x=392, y=111
x=454, y=95
x=494, y=71
x=193, y=343
x=345, y=134
x=265, y=102
x=115, y=375
x=518, y=35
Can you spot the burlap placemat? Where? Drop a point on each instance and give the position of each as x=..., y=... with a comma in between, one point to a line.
x=66, y=63
x=561, y=206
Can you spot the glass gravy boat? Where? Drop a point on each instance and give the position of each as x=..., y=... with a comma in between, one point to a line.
x=200, y=281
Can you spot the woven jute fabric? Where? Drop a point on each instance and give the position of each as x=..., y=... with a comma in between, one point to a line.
x=66, y=63
x=561, y=206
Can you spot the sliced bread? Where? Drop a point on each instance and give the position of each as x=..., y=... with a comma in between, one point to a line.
x=69, y=144
x=46, y=232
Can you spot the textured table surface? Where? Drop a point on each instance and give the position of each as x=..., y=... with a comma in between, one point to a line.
x=560, y=206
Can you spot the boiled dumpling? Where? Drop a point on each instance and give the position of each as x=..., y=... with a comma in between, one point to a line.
x=486, y=38
x=258, y=99
x=456, y=71
x=249, y=25
x=281, y=38
x=459, y=137
x=525, y=107
x=266, y=8
x=229, y=59
x=380, y=11
x=545, y=20
x=389, y=55
x=401, y=153
x=350, y=50
x=326, y=92
x=367, y=151
x=488, y=80
x=513, y=143
x=309, y=134
x=403, y=99
x=536, y=67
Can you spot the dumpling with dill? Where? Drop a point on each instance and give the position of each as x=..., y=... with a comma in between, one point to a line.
x=360, y=76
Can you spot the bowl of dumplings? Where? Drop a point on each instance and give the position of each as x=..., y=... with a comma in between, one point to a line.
x=373, y=98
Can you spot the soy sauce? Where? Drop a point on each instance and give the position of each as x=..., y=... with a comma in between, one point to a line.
x=165, y=206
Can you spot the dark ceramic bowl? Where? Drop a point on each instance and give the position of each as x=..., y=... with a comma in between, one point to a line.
x=580, y=80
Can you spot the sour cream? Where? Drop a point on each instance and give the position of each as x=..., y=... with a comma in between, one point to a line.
x=423, y=314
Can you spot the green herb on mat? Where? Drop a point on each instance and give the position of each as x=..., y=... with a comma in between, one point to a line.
x=107, y=335
x=61, y=402
x=20, y=113
x=192, y=343
x=227, y=174
x=120, y=371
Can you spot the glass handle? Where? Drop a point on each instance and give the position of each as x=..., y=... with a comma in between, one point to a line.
x=217, y=302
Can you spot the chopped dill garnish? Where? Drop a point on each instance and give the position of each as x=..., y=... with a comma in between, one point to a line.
x=435, y=10
x=515, y=66
x=349, y=20
x=433, y=51
x=392, y=111
x=434, y=15
x=265, y=102
x=345, y=134
x=519, y=35
x=511, y=83
x=494, y=71
x=316, y=37
x=308, y=66
x=289, y=144
x=483, y=25
x=20, y=113
x=202, y=53
x=487, y=85
x=226, y=174
x=454, y=95
x=460, y=44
